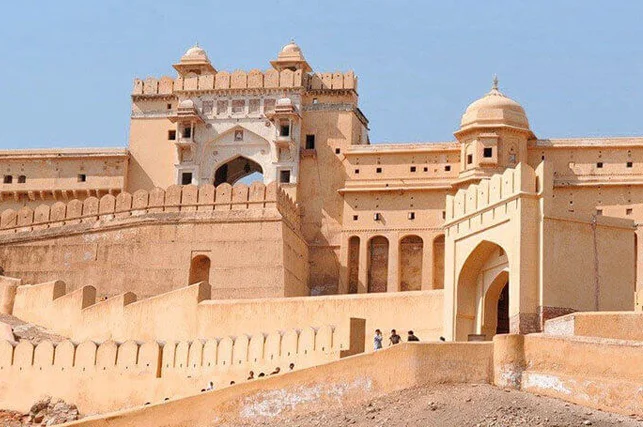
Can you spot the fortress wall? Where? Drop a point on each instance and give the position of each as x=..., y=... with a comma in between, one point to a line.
x=144, y=242
x=348, y=381
x=616, y=325
x=239, y=79
x=187, y=313
x=599, y=373
x=111, y=376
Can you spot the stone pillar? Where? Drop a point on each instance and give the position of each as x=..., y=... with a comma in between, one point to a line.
x=427, y=262
x=343, y=265
x=393, y=279
x=508, y=360
x=362, y=273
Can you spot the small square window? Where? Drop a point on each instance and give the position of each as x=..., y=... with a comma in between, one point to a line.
x=447, y=168
x=356, y=171
x=338, y=150
x=599, y=211
x=284, y=176
x=628, y=211
x=599, y=165
x=8, y=179
x=310, y=142
x=411, y=215
x=487, y=152
x=22, y=179
x=82, y=177
x=315, y=100
x=186, y=178
x=171, y=135
x=378, y=170
x=169, y=106
x=426, y=169
x=377, y=216
x=629, y=164
x=469, y=159
x=413, y=168
x=355, y=217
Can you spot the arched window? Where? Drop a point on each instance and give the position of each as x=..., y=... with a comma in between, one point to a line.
x=238, y=169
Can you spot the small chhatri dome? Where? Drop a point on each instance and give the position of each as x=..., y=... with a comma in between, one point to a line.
x=186, y=103
x=195, y=53
x=494, y=109
x=291, y=57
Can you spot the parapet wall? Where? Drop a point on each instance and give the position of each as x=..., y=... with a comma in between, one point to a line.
x=176, y=198
x=500, y=187
x=616, y=325
x=110, y=375
x=254, y=79
x=188, y=313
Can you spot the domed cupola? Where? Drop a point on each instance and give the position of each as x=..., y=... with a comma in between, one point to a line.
x=196, y=61
x=291, y=58
x=494, y=110
x=493, y=134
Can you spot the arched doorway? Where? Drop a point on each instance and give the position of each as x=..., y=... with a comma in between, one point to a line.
x=481, y=281
x=200, y=269
x=377, y=264
x=411, y=257
x=238, y=169
x=496, y=306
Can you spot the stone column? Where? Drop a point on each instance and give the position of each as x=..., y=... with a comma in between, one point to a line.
x=362, y=273
x=393, y=280
x=343, y=265
x=427, y=262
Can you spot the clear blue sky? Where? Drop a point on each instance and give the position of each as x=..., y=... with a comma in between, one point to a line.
x=576, y=66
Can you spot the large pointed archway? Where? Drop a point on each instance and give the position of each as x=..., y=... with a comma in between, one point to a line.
x=237, y=169
x=480, y=283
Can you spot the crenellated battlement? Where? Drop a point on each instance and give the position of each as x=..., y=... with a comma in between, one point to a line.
x=498, y=189
x=253, y=79
x=175, y=198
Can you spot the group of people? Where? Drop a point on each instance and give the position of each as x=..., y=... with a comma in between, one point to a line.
x=251, y=376
x=393, y=339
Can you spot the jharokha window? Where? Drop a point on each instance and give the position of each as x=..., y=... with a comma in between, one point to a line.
x=238, y=106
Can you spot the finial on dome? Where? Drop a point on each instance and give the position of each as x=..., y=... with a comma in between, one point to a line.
x=495, y=82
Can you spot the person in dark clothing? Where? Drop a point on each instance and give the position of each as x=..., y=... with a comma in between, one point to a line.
x=412, y=338
x=394, y=338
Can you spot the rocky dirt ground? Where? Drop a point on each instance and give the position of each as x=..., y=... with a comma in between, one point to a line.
x=45, y=412
x=28, y=331
x=455, y=405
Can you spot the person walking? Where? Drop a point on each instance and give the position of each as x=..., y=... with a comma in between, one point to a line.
x=412, y=338
x=377, y=340
x=394, y=338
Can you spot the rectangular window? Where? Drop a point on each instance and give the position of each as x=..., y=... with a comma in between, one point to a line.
x=186, y=178
x=444, y=214
x=187, y=132
x=22, y=179
x=413, y=168
x=171, y=135
x=628, y=211
x=169, y=106
x=310, y=142
x=238, y=106
x=338, y=150
x=377, y=216
x=469, y=159
x=629, y=164
x=411, y=215
x=599, y=211
x=487, y=152
x=355, y=217
x=82, y=177
x=207, y=107
x=268, y=105
x=222, y=108
x=447, y=168
x=599, y=165
x=8, y=179
x=254, y=106
x=284, y=176
x=425, y=169
x=378, y=170
x=356, y=170
x=284, y=130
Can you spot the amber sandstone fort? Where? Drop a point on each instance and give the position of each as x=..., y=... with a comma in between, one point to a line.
x=167, y=267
